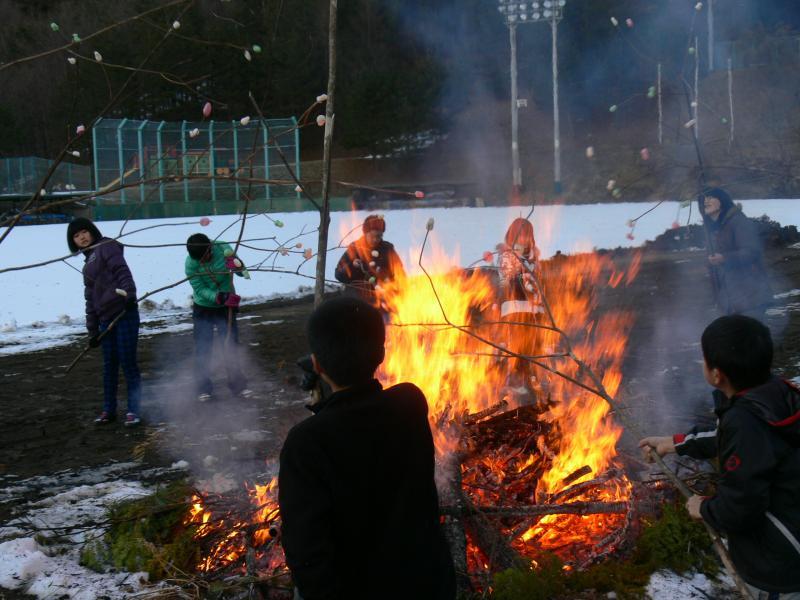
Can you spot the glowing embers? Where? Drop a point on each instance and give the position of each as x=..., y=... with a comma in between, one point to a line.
x=239, y=533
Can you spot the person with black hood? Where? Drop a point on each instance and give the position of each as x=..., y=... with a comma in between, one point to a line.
x=109, y=291
x=757, y=444
x=356, y=485
x=736, y=261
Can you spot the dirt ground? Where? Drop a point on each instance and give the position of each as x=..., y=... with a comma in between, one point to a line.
x=47, y=416
x=47, y=423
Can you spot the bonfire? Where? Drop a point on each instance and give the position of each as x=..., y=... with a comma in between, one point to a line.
x=519, y=475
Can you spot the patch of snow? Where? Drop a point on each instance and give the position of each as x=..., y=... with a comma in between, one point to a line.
x=167, y=328
x=779, y=311
x=788, y=294
x=462, y=232
x=64, y=480
x=40, y=547
x=85, y=504
x=666, y=584
x=181, y=464
x=15, y=490
x=53, y=571
x=26, y=566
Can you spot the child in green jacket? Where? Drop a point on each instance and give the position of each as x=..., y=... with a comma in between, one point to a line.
x=210, y=267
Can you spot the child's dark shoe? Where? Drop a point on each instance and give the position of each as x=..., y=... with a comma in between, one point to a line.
x=132, y=420
x=105, y=418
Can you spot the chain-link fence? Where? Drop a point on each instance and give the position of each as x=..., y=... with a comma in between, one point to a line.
x=21, y=176
x=192, y=168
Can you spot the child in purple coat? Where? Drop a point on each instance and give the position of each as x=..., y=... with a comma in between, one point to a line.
x=109, y=291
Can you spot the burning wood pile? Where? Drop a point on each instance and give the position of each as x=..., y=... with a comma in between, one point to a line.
x=508, y=517
x=518, y=474
x=239, y=533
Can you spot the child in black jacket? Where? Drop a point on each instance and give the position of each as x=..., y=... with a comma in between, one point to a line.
x=757, y=442
x=356, y=484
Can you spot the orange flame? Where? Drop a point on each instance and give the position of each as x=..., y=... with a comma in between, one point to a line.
x=446, y=336
x=461, y=374
x=234, y=537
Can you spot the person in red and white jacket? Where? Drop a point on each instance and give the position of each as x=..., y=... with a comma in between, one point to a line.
x=519, y=300
x=757, y=442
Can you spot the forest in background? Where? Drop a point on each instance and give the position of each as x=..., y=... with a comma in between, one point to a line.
x=410, y=71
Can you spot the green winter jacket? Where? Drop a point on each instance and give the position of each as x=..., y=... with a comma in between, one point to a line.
x=210, y=277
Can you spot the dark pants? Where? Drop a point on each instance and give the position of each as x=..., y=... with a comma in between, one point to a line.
x=205, y=321
x=762, y=595
x=119, y=349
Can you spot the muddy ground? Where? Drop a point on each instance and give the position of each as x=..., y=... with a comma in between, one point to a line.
x=47, y=416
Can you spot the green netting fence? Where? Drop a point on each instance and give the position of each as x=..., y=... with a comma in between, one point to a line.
x=162, y=168
x=21, y=176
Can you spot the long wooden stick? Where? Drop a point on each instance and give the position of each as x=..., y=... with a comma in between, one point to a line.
x=118, y=317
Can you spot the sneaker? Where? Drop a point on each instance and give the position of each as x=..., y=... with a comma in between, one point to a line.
x=204, y=397
x=105, y=418
x=246, y=393
x=132, y=420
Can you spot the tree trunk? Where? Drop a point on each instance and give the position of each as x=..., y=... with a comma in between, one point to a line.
x=325, y=216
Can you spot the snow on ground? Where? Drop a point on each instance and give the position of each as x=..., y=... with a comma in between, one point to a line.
x=28, y=567
x=666, y=585
x=65, y=507
x=72, y=498
x=43, y=307
x=53, y=570
x=12, y=489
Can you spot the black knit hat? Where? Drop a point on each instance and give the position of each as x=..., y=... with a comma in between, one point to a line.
x=79, y=224
x=197, y=245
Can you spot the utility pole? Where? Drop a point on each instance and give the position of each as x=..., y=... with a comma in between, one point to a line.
x=556, y=122
x=516, y=13
x=516, y=172
x=710, y=35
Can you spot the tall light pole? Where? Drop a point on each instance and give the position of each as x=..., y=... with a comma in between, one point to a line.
x=555, y=10
x=516, y=13
x=516, y=171
x=710, y=16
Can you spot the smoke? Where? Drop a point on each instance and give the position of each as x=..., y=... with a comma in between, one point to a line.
x=601, y=66
x=227, y=439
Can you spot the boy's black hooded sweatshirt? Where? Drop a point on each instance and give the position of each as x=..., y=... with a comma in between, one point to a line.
x=757, y=441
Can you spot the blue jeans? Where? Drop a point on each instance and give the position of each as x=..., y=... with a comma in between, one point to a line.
x=205, y=321
x=119, y=349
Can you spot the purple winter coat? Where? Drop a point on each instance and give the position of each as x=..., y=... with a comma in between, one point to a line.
x=105, y=270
